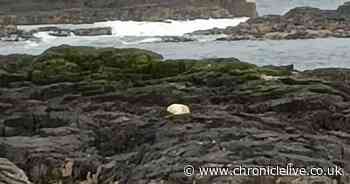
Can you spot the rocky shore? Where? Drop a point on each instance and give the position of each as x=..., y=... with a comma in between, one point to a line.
x=38, y=12
x=298, y=23
x=59, y=32
x=9, y=31
x=81, y=114
x=31, y=12
x=8, y=28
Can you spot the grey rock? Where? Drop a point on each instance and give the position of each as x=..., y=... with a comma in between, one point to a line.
x=87, y=11
x=11, y=174
x=93, y=31
x=125, y=134
x=298, y=23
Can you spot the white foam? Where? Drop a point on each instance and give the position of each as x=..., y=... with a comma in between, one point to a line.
x=145, y=40
x=144, y=29
x=167, y=28
x=44, y=36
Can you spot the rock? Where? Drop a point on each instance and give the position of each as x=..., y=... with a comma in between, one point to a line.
x=11, y=174
x=236, y=38
x=7, y=25
x=48, y=29
x=60, y=33
x=289, y=68
x=93, y=31
x=8, y=28
x=208, y=32
x=178, y=109
x=176, y=39
x=331, y=74
x=90, y=115
x=89, y=11
x=298, y=23
x=344, y=10
x=10, y=32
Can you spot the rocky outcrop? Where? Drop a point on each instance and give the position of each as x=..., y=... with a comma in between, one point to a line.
x=344, y=10
x=11, y=174
x=59, y=32
x=30, y=12
x=98, y=31
x=87, y=11
x=7, y=26
x=7, y=34
x=9, y=30
x=177, y=39
x=298, y=23
x=100, y=116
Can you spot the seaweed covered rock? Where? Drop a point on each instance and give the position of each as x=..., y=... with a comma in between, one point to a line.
x=82, y=114
x=70, y=64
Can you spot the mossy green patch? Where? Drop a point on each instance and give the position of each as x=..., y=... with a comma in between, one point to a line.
x=129, y=68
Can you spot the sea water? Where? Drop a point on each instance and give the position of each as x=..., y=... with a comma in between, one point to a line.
x=304, y=54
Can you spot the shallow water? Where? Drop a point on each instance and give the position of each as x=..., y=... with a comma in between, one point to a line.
x=304, y=54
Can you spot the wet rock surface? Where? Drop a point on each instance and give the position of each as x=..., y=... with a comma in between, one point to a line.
x=80, y=114
x=21, y=35
x=9, y=30
x=59, y=32
x=177, y=39
x=298, y=23
x=89, y=11
x=11, y=174
x=93, y=31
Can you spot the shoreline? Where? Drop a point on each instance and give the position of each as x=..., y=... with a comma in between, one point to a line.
x=139, y=102
x=98, y=109
x=297, y=23
x=331, y=52
x=166, y=28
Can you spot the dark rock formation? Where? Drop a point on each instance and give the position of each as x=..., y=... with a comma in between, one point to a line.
x=344, y=10
x=10, y=33
x=84, y=11
x=7, y=27
x=9, y=30
x=61, y=33
x=298, y=23
x=55, y=31
x=99, y=115
x=93, y=31
x=11, y=174
x=177, y=39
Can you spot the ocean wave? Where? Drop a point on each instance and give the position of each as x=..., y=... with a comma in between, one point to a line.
x=147, y=29
x=140, y=41
x=167, y=28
